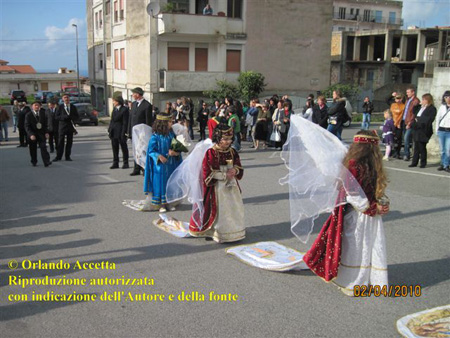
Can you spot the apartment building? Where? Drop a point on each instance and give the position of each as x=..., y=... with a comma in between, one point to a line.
x=179, y=51
x=381, y=61
x=357, y=15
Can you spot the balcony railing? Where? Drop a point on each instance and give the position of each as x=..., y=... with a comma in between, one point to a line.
x=192, y=24
x=367, y=18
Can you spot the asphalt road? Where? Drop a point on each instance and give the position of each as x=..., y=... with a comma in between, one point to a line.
x=72, y=212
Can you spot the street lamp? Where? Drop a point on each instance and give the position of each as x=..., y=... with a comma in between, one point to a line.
x=78, y=65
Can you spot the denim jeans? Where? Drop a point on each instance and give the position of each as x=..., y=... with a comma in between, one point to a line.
x=407, y=141
x=444, y=145
x=15, y=122
x=4, y=131
x=366, y=121
x=332, y=128
x=237, y=141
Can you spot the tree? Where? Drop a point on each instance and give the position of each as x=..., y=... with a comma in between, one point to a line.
x=251, y=84
x=348, y=90
x=223, y=89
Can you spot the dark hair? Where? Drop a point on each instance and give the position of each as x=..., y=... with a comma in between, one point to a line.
x=217, y=133
x=311, y=96
x=231, y=109
x=446, y=93
x=38, y=102
x=411, y=88
x=310, y=103
x=161, y=127
x=429, y=98
x=229, y=99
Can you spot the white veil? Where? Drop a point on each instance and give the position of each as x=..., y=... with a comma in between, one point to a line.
x=316, y=175
x=186, y=181
x=140, y=137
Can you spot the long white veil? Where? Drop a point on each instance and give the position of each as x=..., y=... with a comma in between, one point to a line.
x=317, y=179
x=186, y=181
x=140, y=137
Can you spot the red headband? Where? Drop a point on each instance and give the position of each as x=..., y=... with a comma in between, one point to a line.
x=365, y=139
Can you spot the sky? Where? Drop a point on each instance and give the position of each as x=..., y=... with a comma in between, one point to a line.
x=40, y=33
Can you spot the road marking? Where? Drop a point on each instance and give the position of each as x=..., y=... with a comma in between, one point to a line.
x=416, y=172
x=90, y=173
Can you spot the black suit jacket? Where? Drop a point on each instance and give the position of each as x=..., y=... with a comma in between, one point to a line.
x=66, y=120
x=118, y=126
x=31, y=125
x=52, y=122
x=422, y=126
x=139, y=115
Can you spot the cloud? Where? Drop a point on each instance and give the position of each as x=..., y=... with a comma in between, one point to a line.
x=424, y=14
x=54, y=33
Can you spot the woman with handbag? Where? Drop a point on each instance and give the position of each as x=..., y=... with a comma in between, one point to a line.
x=277, y=119
x=261, y=125
x=285, y=121
x=422, y=129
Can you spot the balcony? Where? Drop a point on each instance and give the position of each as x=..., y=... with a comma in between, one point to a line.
x=178, y=81
x=192, y=24
x=367, y=18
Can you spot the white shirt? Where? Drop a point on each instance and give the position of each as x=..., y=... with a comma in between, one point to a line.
x=442, y=121
x=419, y=114
x=139, y=101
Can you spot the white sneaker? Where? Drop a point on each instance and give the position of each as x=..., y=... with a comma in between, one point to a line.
x=172, y=209
x=385, y=158
x=161, y=210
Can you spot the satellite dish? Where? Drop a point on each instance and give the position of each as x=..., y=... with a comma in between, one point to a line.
x=153, y=9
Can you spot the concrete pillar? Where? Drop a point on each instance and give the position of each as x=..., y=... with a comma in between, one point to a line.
x=192, y=56
x=440, y=44
x=356, y=48
x=388, y=42
x=370, y=48
x=420, y=51
x=403, y=45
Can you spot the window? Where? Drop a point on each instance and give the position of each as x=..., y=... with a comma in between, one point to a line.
x=116, y=59
x=122, y=58
x=233, y=61
x=100, y=19
x=107, y=7
x=178, y=58
x=96, y=20
x=44, y=85
x=116, y=12
x=201, y=59
x=108, y=50
x=366, y=15
x=369, y=75
x=100, y=61
x=392, y=18
x=234, y=9
x=378, y=16
x=122, y=10
x=181, y=6
x=342, y=12
x=341, y=29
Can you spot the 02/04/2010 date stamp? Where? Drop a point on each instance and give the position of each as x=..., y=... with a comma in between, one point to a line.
x=387, y=290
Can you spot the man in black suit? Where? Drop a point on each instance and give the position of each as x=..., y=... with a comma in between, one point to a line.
x=66, y=115
x=37, y=131
x=141, y=112
x=118, y=128
x=23, y=111
x=52, y=124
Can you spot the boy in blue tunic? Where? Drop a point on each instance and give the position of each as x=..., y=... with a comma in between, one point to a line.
x=161, y=161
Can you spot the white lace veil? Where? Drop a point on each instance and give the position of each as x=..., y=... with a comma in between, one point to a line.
x=316, y=175
x=186, y=181
x=141, y=136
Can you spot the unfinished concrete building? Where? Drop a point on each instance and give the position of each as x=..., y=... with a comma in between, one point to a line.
x=381, y=61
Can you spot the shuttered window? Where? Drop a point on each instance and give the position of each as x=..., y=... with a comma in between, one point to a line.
x=233, y=61
x=201, y=59
x=178, y=58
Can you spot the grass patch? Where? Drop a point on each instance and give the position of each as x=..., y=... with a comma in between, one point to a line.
x=375, y=117
x=7, y=100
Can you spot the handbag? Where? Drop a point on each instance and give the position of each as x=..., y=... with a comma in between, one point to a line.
x=275, y=136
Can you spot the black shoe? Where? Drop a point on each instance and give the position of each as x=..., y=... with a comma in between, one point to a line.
x=447, y=169
x=52, y=150
x=423, y=166
x=125, y=166
x=47, y=164
x=114, y=166
x=135, y=173
x=68, y=159
x=441, y=168
x=34, y=164
x=56, y=159
x=412, y=165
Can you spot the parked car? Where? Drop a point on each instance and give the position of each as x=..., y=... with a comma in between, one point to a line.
x=42, y=96
x=74, y=98
x=18, y=95
x=349, y=109
x=51, y=95
x=86, y=114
